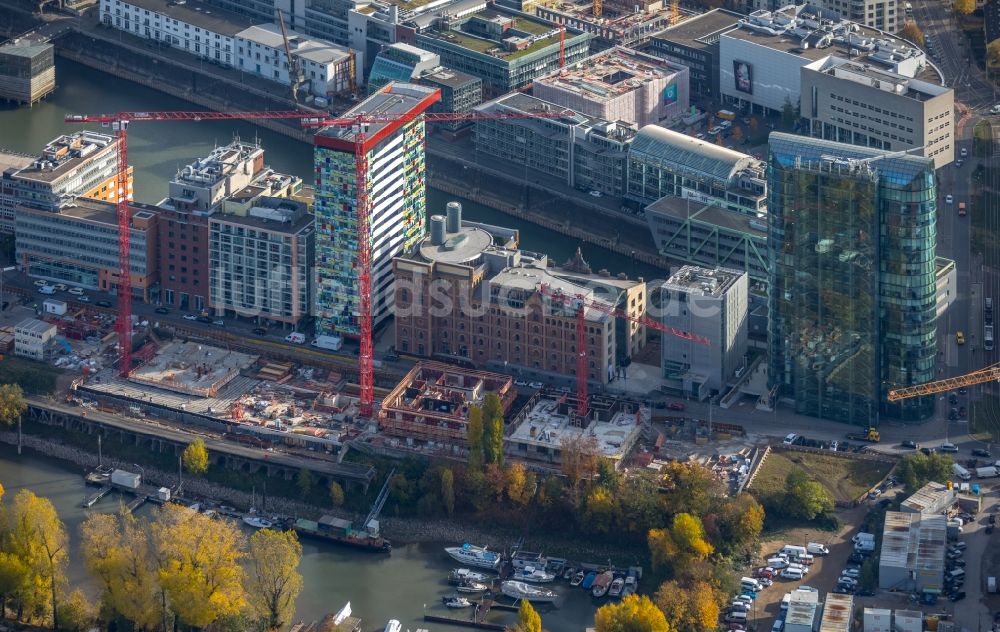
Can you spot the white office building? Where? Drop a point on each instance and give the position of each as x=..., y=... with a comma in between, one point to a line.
x=712, y=304
x=232, y=41
x=32, y=337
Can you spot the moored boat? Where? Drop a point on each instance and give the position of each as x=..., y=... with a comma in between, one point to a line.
x=342, y=531
x=577, y=579
x=568, y=573
x=463, y=575
x=616, y=587
x=588, y=580
x=533, y=575
x=256, y=521
x=472, y=587
x=630, y=586
x=456, y=602
x=521, y=590
x=601, y=584
x=475, y=556
x=393, y=626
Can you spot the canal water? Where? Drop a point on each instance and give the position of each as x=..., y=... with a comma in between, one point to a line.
x=158, y=150
x=403, y=585
x=411, y=580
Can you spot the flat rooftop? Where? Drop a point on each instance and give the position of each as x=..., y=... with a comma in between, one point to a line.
x=34, y=326
x=802, y=609
x=838, y=611
x=913, y=541
x=878, y=78
x=104, y=212
x=462, y=247
x=200, y=14
x=288, y=216
x=317, y=50
x=706, y=281
x=192, y=368
x=67, y=153
x=14, y=160
x=546, y=426
x=929, y=498
x=683, y=209
x=24, y=48
x=443, y=76
x=609, y=74
x=702, y=30
x=393, y=99
x=536, y=33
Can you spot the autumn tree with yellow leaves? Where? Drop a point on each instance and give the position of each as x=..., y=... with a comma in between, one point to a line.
x=273, y=580
x=195, y=457
x=631, y=614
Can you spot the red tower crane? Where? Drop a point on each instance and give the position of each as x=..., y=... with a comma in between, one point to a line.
x=580, y=303
x=366, y=380
x=119, y=123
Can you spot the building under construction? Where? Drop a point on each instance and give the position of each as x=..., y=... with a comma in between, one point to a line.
x=432, y=402
x=191, y=368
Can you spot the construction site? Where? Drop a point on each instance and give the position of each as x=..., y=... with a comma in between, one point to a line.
x=613, y=23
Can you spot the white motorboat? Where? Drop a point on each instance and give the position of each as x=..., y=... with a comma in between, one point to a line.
x=616, y=587
x=472, y=587
x=257, y=522
x=577, y=579
x=601, y=584
x=393, y=626
x=476, y=556
x=521, y=590
x=462, y=575
x=456, y=602
x=533, y=575
x=630, y=586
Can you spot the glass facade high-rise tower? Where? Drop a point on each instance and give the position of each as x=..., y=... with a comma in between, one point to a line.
x=395, y=180
x=852, y=284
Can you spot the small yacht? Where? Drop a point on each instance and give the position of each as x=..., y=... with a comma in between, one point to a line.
x=533, y=575
x=393, y=626
x=257, y=522
x=456, y=602
x=463, y=575
x=521, y=590
x=472, y=587
x=616, y=587
x=476, y=556
x=630, y=586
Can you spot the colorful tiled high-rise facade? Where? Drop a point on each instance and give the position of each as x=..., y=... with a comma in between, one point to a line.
x=396, y=186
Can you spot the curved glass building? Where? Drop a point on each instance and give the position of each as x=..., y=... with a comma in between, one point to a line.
x=852, y=284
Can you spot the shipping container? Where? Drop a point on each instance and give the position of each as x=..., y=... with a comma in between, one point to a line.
x=125, y=479
x=878, y=620
x=53, y=306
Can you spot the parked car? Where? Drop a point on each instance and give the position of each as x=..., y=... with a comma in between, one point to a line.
x=853, y=573
x=676, y=406
x=948, y=447
x=190, y=317
x=927, y=451
x=161, y=310
x=103, y=303
x=220, y=322
x=910, y=445
x=60, y=287
x=203, y=319
x=520, y=382
x=76, y=291
x=790, y=438
x=960, y=546
x=260, y=331
x=40, y=283
x=83, y=299
x=957, y=596
x=536, y=385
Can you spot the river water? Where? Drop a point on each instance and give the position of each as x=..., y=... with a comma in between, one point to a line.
x=399, y=586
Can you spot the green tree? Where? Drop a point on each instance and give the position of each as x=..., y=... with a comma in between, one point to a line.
x=520, y=484
x=599, y=513
x=474, y=434
x=662, y=549
x=273, y=580
x=631, y=614
x=493, y=433
x=964, y=7
x=12, y=403
x=689, y=488
x=304, y=480
x=195, y=457
x=336, y=494
x=868, y=579
x=688, y=535
x=789, y=113
x=804, y=497
x=913, y=33
x=77, y=614
x=528, y=620
x=448, y=490
x=916, y=470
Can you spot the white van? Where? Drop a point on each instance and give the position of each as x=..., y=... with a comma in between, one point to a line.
x=296, y=337
x=799, y=567
x=47, y=289
x=749, y=583
x=793, y=551
x=957, y=470
x=817, y=549
x=792, y=573
x=777, y=563
x=736, y=617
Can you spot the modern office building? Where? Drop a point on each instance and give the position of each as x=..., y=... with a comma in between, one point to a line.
x=400, y=62
x=711, y=303
x=506, y=49
x=395, y=190
x=232, y=40
x=620, y=84
x=620, y=24
x=884, y=15
x=709, y=236
x=227, y=180
x=587, y=153
x=260, y=262
x=695, y=43
x=10, y=163
x=27, y=71
x=912, y=554
x=491, y=312
x=760, y=61
x=79, y=165
x=852, y=302
x=79, y=245
x=460, y=92
x=664, y=162
x=858, y=104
